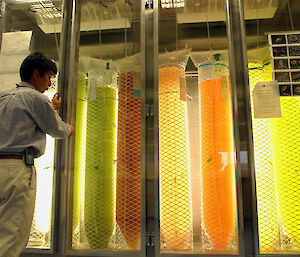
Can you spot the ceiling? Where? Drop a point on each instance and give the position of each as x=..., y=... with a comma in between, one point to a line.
x=200, y=25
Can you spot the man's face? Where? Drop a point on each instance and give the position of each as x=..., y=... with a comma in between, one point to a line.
x=43, y=82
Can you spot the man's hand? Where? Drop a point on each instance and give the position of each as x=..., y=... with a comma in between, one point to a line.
x=72, y=130
x=56, y=102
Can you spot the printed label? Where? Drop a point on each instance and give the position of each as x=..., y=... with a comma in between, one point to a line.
x=266, y=100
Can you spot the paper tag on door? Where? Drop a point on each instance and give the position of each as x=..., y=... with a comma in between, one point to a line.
x=266, y=100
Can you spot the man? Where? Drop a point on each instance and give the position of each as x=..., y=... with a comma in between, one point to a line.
x=26, y=116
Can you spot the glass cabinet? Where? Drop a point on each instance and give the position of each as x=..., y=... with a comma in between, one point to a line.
x=272, y=43
x=198, y=204
x=107, y=185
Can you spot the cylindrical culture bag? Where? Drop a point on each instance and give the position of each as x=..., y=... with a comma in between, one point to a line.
x=101, y=125
x=174, y=162
x=218, y=184
x=128, y=195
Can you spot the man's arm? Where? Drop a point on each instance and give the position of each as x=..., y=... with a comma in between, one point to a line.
x=56, y=103
x=72, y=129
x=48, y=120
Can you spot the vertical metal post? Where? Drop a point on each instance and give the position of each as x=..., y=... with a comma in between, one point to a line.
x=155, y=68
x=2, y=19
x=248, y=236
x=143, y=129
x=72, y=94
x=149, y=74
x=61, y=168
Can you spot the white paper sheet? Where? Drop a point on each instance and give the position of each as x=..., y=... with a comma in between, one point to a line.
x=14, y=43
x=266, y=100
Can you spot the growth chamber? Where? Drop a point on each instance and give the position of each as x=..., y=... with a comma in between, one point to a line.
x=272, y=65
x=186, y=119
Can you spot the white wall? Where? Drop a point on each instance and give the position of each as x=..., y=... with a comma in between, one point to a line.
x=14, y=49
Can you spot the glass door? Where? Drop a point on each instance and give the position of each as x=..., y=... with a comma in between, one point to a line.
x=197, y=161
x=107, y=192
x=31, y=26
x=273, y=66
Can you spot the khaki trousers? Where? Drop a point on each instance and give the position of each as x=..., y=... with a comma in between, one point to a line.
x=17, y=198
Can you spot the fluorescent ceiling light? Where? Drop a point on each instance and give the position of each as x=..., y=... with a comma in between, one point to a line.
x=172, y=3
x=46, y=9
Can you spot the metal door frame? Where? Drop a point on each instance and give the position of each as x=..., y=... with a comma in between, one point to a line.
x=2, y=19
x=246, y=191
x=150, y=58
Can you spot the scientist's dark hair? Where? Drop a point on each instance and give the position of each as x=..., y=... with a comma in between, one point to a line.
x=36, y=61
